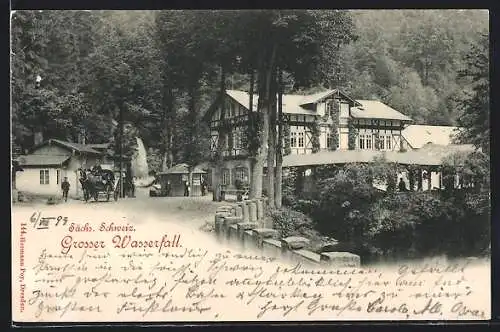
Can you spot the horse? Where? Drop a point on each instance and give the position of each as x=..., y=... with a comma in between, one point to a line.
x=93, y=182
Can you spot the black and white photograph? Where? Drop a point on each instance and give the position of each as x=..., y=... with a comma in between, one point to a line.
x=250, y=165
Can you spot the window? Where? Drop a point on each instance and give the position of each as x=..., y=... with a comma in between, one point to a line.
x=388, y=140
x=369, y=140
x=361, y=141
x=225, y=177
x=237, y=140
x=301, y=140
x=329, y=108
x=344, y=110
x=381, y=144
x=58, y=176
x=44, y=176
x=293, y=139
x=241, y=174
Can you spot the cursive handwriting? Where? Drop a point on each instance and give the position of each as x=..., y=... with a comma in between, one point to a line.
x=133, y=283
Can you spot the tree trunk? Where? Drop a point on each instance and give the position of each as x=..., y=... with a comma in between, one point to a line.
x=190, y=180
x=219, y=162
x=265, y=75
x=279, y=149
x=271, y=152
x=192, y=125
x=258, y=159
x=251, y=126
x=191, y=155
x=169, y=124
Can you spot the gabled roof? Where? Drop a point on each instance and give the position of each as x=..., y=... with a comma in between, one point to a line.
x=419, y=135
x=429, y=155
x=297, y=104
x=41, y=160
x=243, y=98
x=82, y=148
x=319, y=96
x=374, y=109
x=292, y=103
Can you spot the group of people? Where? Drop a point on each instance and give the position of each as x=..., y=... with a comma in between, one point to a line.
x=187, y=188
x=106, y=176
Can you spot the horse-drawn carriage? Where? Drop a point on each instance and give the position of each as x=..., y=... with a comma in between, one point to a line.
x=97, y=182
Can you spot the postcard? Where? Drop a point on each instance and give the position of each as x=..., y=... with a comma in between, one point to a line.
x=230, y=166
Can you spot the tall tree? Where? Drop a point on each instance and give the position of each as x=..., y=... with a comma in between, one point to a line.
x=279, y=147
x=474, y=105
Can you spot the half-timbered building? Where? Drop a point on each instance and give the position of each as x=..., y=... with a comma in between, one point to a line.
x=377, y=126
x=342, y=123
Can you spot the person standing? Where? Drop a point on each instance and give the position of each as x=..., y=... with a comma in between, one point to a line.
x=402, y=185
x=65, y=188
x=168, y=188
x=186, y=188
x=203, y=188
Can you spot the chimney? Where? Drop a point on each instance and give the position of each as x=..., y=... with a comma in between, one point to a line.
x=38, y=137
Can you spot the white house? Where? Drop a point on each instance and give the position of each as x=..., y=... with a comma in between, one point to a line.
x=50, y=162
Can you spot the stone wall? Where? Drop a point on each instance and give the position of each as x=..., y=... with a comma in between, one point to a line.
x=244, y=224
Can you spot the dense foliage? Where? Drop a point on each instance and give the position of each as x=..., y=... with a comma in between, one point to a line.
x=160, y=70
x=371, y=222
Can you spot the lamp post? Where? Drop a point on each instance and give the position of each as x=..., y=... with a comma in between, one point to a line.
x=38, y=138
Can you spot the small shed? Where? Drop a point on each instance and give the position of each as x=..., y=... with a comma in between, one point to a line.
x=177, y=176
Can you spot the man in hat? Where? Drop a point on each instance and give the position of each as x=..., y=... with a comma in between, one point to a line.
x=186, y=188
x=65, y=188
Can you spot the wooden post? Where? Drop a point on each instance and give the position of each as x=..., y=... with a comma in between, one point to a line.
x=419, y=183
x=411, y=178
x=429, y=179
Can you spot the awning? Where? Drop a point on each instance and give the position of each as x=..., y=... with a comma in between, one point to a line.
x=429, y=155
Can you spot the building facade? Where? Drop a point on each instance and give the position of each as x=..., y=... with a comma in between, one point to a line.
x=46, y=166
x=376, y=126
x=339, y=122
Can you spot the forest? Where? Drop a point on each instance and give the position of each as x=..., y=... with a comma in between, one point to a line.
x=162, y=69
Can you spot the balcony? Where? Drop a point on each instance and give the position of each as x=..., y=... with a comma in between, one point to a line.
x=231, y=153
